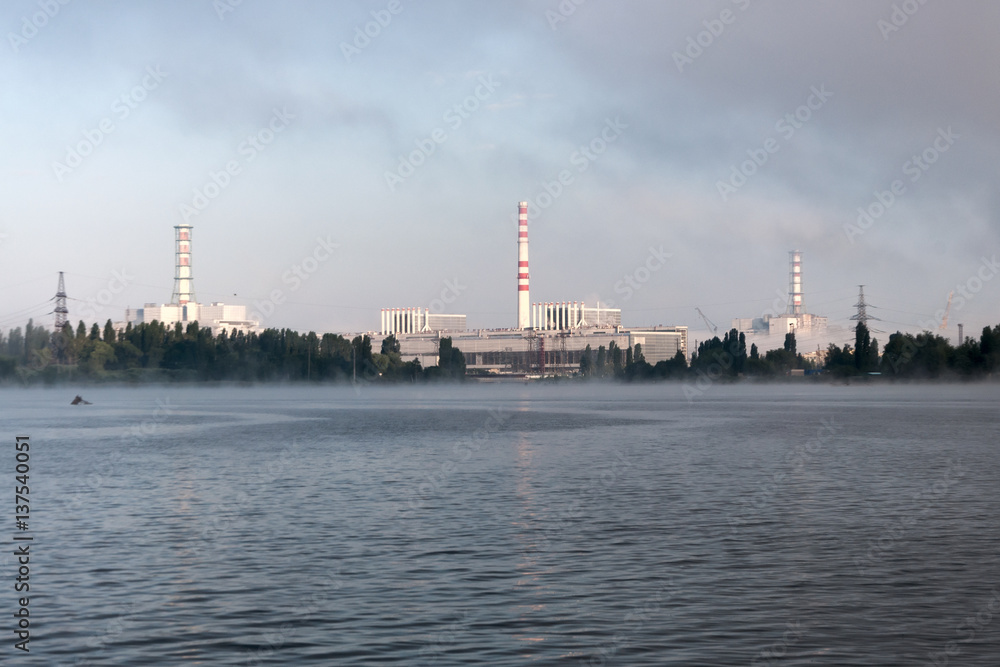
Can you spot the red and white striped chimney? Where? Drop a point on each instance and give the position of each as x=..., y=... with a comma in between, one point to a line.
x=523, y=300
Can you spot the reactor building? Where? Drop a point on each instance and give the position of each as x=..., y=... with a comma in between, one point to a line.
x=550, y=338
x=795, y=319
x=183, y=307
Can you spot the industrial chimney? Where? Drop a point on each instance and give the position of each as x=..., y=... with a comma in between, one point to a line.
x=183, y=282
x=795, y=283
x=523, y=299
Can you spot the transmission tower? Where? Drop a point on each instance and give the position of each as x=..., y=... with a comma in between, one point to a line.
x=62, y=321
x=62, y=312
x=863, y=317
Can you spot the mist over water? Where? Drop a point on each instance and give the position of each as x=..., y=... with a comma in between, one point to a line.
x=513, y=524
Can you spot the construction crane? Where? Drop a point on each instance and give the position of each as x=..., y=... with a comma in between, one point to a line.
x=944, y=320
x=708, y=322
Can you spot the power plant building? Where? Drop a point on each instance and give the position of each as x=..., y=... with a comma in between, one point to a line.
x=510, y=351
x=795, y=319
x=184, y=309
x=549, y=337
x=419, y=320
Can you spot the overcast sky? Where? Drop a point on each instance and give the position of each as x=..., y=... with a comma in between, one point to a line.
x=408, y=149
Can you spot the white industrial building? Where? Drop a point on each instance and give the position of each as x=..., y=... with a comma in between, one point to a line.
x=184, y=309
x=795, y=319
x=419, y=320
x=550, y=337
x=214, y=316
x=541, y=352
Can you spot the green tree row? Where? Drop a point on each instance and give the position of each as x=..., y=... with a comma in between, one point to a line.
x=155, y=351
x=924, y=355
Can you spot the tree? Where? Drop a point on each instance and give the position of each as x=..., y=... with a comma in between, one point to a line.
x=390, y=344
x=741, y=353
x=790, y=342
x=587, y=363
x=615, y=359
x=671, y=368
x=865, y=349
x=602, y=361
x=110, y=336
x=636, y=366
x=96, y=355
x=451, y=361
x=989, y=347
x=15, y=343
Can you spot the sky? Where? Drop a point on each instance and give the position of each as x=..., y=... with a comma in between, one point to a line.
x=336, y=158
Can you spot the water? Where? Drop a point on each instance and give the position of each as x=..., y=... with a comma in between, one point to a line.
x=510, y=525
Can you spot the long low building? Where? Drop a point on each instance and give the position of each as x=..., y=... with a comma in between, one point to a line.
x=216, y=316
x=538, y=352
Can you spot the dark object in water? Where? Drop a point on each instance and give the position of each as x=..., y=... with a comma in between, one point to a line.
x=78, y=400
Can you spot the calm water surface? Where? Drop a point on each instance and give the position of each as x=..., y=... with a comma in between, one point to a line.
x=510, y=525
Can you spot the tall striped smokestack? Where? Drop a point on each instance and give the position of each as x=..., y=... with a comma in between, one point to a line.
x=795, y=282
x=183, y=281
x=523, y=301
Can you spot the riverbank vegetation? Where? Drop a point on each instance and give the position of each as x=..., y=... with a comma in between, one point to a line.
x=158, y=353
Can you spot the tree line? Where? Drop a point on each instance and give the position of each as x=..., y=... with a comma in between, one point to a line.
x=725, y=357
x=905, y=356
x=922, y=356
x=158, y=352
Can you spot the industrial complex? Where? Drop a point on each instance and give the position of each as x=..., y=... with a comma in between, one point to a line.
x=183, y=307
x=795, y=319
x=549, y=338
